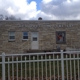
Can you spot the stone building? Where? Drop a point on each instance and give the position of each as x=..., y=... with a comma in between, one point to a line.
x=23, y=36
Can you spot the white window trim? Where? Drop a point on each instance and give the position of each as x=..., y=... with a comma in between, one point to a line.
x=23, y=35
x=9, y=36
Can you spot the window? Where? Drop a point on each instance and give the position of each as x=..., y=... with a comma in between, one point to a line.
x=60, y=37
x=25, y=35
x=12, y=36
x=34, y=38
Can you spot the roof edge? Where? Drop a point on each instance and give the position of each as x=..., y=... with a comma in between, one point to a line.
x=35, y=20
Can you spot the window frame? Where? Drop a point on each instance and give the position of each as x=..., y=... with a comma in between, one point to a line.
x=24, y=35
x=11, y=35
x=64, y=37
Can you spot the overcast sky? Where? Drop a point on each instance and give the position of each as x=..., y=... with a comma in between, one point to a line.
x=47, y=9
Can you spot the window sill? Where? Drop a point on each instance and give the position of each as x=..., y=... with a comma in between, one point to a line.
x=13, y=40
x=24, y=39
x=60, y=42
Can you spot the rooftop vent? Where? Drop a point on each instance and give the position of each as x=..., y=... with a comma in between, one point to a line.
x=40, y=18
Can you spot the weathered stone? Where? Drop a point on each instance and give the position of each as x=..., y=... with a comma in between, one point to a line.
x=47, y=35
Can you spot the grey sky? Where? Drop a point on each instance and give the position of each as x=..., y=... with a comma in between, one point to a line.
x=50, y=9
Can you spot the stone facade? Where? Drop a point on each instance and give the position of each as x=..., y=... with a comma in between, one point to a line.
x=47, y=35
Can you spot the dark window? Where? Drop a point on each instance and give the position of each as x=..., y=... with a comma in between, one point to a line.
x=25, y=35
x=11, y=35
x=60, y=37
x=34, y=38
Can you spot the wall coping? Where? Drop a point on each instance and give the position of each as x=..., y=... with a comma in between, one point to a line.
x=37, y=20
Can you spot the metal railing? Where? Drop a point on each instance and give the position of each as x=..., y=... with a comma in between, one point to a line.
x=40, y=66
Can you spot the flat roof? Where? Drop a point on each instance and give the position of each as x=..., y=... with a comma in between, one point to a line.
x=36, y=20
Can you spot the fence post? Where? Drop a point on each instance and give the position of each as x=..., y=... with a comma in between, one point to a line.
x=62, y=64
x=3, y=66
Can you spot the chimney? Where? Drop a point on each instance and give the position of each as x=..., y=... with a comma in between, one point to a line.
x=40, y=18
